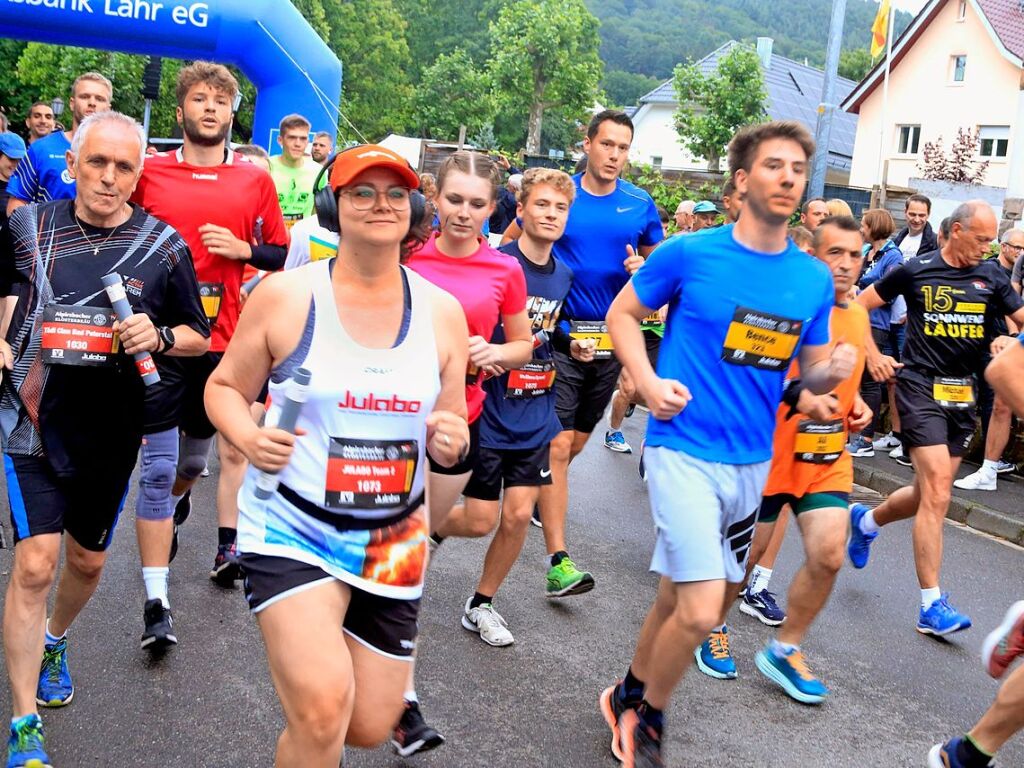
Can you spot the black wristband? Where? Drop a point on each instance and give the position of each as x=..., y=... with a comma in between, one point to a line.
x=791, y=395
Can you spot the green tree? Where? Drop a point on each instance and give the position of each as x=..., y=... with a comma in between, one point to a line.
x=453, y=92
x=712, y=107
x=544, y=56
x=369, y=38
x=315, y=13
x=624, y=88
x=855, y=63
x=435, y=27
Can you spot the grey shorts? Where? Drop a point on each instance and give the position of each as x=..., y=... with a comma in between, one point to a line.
x=704, y=513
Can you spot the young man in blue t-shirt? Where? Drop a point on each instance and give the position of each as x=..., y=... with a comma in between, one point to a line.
x=728, y=344
x=43, y=174
x=518, y=420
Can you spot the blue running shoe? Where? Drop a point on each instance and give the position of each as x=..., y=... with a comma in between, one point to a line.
x=714, y=658
x=947, y=755
x=615, y=441
x=55, y=687
x=859, y=546
x=25, y=746
x=762, y=606
x=791, y=673
x=941, y=619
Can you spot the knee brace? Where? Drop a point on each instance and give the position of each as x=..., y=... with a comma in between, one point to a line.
x=156, y=476
x=192, y=454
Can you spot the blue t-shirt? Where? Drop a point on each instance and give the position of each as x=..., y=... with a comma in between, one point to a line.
x=512, y=419
x=594, y=244
x=736, y=318
x=42, y=175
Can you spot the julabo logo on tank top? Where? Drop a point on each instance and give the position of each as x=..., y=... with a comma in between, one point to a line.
x=372, y=402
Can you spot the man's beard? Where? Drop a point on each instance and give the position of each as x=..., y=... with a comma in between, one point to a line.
x=195, y=135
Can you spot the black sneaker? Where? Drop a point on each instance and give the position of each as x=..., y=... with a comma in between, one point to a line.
x=225, y=569
x=159, y=632
x=535, y=518
x=412, y=734
x=629, y=410
x=640, y=743
x=183, y=508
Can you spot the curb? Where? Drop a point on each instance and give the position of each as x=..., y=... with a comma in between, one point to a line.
x=970, y=513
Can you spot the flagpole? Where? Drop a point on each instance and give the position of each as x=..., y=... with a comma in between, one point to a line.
x=883, y=167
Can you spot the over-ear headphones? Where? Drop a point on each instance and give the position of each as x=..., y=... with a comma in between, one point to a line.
x=325, y=203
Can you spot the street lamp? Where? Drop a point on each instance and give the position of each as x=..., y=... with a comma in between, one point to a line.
x=57, y=105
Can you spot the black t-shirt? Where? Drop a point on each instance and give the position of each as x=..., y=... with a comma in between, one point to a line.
x=951, y=312
x=3, y=203
x=80, y=416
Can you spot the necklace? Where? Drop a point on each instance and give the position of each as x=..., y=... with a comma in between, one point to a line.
x=95, y=248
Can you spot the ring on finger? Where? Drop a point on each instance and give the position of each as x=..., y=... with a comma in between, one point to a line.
x=447, y=440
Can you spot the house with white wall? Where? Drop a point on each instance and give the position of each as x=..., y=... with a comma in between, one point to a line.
x=958, y=65
x=794, y=92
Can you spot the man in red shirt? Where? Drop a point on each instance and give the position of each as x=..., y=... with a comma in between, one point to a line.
x=226, y=209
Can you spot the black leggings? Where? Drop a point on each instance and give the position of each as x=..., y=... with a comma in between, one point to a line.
x=872, y=392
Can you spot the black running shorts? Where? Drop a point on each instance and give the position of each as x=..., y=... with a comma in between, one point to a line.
x=583, y=390
x=924, y=421
x=509, y=467
x=86, y=506
x=194, y=421
x=383, y=624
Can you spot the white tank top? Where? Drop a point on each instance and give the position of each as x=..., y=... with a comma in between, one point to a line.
x=363, y=456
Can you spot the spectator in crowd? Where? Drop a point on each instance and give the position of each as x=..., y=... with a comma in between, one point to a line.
x=508, y=198
x=665, y=218
x=1011, y=244
x=322, y=148
x=256, y=154
x=12, y=150
x=813, y=212
x=731, y=201
x=803, y=237
x=684, y=216
x=917, y=237
x=40, y=121
x=943, y=235
x=428, y=186
x=704, y=215
x=837, y=207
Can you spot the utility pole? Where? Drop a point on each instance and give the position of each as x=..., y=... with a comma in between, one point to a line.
x=827, y=107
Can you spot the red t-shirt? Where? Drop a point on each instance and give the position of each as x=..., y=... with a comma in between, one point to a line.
x=488, y=284
x=237, y=195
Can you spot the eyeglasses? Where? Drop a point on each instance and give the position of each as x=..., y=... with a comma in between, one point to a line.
x=363, y=197
x=1017, y=248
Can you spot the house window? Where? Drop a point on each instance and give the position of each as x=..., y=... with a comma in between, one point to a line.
x=909, y=139
x=961, y=13
x=656, y=162
x=994, y=141
x=958, y=66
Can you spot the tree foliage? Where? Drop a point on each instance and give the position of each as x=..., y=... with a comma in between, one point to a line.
x=625, y=88
x=369, y=38
x=453, y=92
x=961, y=164
x=855, y=63
x=544, y=56
x=435, y=27
x=712, y=107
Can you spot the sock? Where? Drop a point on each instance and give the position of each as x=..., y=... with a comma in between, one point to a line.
x=655, y=718
x=176, y=499
x=868, y=524
x=632, y=688
x=558, y=557
x=759, y=579
x=929, y=596
x=971, y=755
x=780, y=648
x=156, y=584
x=411, y=697
x=719, y=628
x=52, y=639
x=226, y=536
x=989, y=467
x=479, y=600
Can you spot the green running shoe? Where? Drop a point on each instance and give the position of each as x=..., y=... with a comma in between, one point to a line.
x=566, y=579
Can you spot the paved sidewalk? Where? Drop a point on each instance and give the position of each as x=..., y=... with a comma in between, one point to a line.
x=998, y=513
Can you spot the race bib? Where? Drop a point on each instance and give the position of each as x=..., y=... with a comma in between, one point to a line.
x=78, y=336
x=534, y=379
x=321, y=249
x=369, y=474
x=653, y=319
x=211, y=294
x=952, y=392
x=761, y=340
x=472, y=374
x=586, y=329
x=820, y=442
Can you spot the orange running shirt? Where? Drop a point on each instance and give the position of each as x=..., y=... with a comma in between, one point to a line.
x=801, y=446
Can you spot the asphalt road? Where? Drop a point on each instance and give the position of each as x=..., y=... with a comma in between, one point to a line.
x=209, y=702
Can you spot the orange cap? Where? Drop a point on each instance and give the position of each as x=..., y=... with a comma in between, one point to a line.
x=352, y=162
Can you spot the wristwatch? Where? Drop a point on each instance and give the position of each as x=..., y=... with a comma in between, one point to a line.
x=167, y=337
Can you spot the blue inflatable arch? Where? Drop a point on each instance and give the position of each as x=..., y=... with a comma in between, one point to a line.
x=269, y=40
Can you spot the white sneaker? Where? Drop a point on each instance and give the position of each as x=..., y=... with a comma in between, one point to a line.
x=487, y=623
x=1002, y=467
x=977, y=481
x=885, y=443
x=897, y=452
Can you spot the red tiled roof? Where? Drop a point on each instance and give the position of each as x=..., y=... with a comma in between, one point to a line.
x=1007, y=19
